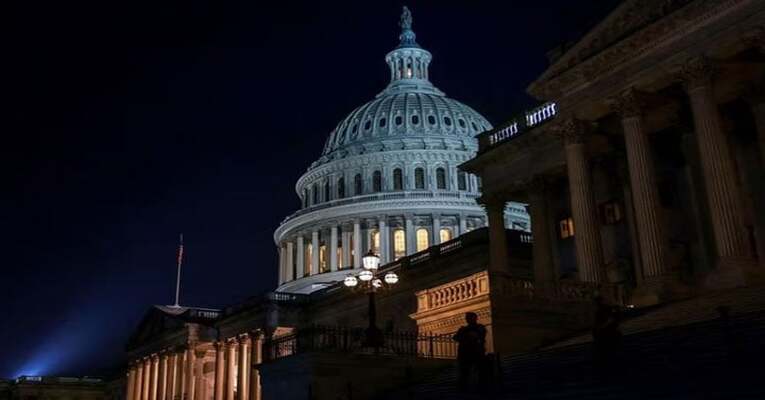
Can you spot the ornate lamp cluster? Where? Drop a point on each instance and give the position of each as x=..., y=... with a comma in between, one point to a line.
x=367, y=278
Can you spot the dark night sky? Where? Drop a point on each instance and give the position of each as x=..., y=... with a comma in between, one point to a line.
x=129, y=122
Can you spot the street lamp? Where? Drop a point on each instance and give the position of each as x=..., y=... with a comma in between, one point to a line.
x=367, y=280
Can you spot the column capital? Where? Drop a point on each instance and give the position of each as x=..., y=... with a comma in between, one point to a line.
x=244, y=338
x=629, y=103
x=697, y=72
x=572, y=130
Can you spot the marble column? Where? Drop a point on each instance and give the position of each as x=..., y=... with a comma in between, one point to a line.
x=130, y=383
x=357, y=253
x=174, y=390
x=587, y=239
x=181, y=375
x=436, y=229
x=645, y=193
x=189, y=370
x=719, y=174
x=290, y=264
x=498, y=252
x=145, y=389
x=542, y=250
x=411, y=241
x=230, y=369
x=154, y=377
x=384, y=240
x=243, y=391
x=220, y=370
x=346, y=252
x=314, y=253
x=282, y=262
x=332, y=248
x=300, y=257
x=162, y=389
x=138, y=388
x=256, y=358
x=200, y=388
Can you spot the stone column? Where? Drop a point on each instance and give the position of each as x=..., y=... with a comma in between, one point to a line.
x=220, y=370
x=719, y=176
x=289, y=266
x=544, y=270
x=332, y=248
x=300, y=257
x=314, y=253
x=498, y=252
x=189, y=370
x=230, y=369
x=411, y=242
x=175, y=382
x=162, y=389
x=357, y=244
x=346, y=241
x=589, y=246
x=463, y=224
x=129, y=390
x=138, y=388
x=200, y=388
x=256, y=358
x=181, y=375
x=242, y=390
x=146, y=387
x=436, y=229
x=645, y=194
x=384, y=240
x=282, y=262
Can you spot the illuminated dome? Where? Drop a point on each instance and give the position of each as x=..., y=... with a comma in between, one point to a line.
x=387, y=179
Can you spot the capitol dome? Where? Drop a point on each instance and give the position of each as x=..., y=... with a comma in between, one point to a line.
x=387, y=179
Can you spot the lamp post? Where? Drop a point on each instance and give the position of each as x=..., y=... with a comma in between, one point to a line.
x=368, y=281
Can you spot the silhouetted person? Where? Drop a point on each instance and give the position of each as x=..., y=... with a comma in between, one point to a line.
x=471, y=349
x=606, y=336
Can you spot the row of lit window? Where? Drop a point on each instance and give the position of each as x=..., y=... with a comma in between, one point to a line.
x=610, y=214
x=377, y=184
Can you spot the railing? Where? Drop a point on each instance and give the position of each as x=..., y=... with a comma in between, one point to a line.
x=269, y=297
x=383, y=196
x=516, y=126
x=324, y=339
x=453, y=292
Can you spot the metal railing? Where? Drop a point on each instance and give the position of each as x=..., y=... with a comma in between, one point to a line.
x=327, y=339
x=516, y=126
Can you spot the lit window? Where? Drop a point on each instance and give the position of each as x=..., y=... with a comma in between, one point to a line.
x=611, y=212
x=339, y=255
x=323, y=262
x=376, y=242
x=440, y=178
x=377, y=181
x=399, y=244
x=445, y=234
x=358, y=185
x=353, y=252
x=398, y=179
x=566, y=228
x=308, y=259
x=422, y=239
x=461, y=181
x=419, y=178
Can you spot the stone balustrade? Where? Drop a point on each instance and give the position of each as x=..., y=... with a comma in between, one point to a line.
x=453, y=292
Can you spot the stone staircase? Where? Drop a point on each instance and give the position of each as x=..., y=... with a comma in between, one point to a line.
x=718, y=358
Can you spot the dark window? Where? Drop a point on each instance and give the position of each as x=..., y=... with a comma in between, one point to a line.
x=355, y=128
x=377, y=181
x=382, y=123
x=399, y=120
x=461, y=181
x=431, y=120
x=341, y=188
x=367, y=125
x=358, y=185
x=419, y=178
x=415, y=120
x=448, y=121
x=461, y=122
x=326, y=191
x=306, y=198
x=441, y=178
x=398, y=179
x=475, y=128
x=316, y=194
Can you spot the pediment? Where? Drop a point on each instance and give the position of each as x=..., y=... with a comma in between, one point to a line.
x=155, y=322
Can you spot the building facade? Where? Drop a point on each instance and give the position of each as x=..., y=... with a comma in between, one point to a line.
x=387, y=180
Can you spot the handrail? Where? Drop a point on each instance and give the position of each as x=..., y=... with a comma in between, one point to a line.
x=516, y=126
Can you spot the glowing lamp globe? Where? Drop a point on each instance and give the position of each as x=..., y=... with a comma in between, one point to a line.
x=351, y=281
x=391, y=278
x=371, y=261
x=366, y=275
x=377, y=283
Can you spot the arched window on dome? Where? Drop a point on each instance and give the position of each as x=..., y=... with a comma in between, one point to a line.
x=315, y=193
x=382, y=123
x=462, y=123
x=448, y=121
x=358, y=185
x=367, y=125
x=461, y=181
x=326, y=191
x=399, y=120
x=431, y=120
x=422, y=239
x=440, y=178
x=415, y=119
x=377, y=181
x=419, y=178
x=399, y=244
x=341, y=188
x=398, y=179
x=445, y=234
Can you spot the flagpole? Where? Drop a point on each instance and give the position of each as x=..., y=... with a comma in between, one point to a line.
x=178, y=277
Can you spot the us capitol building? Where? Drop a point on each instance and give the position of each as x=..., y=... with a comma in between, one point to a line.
x=387, y=179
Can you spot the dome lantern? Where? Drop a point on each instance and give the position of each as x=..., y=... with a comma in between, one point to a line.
x=409, y=62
